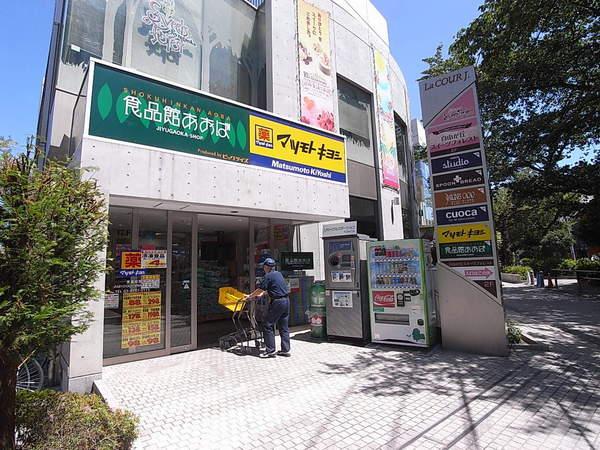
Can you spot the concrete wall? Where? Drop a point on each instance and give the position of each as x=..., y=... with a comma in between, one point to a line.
x=471, y=319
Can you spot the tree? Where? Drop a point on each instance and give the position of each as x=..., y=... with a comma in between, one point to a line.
x=538, y=68
x=53, y=227
x=6, y=144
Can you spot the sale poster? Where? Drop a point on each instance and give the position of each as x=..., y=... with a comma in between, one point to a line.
x=141, y=324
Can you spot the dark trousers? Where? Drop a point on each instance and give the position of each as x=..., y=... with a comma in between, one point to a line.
x=279, y=313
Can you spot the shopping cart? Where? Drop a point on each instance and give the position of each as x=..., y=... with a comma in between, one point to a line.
x=245, y=319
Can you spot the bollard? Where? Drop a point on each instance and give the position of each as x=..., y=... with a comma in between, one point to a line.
x=540, y=279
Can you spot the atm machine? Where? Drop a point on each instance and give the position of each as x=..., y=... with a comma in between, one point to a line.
x=346, y=287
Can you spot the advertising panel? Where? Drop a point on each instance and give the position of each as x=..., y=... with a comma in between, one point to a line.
x=133, y=108
x=141, y=319
x=277, y=145
x=458, y=179
x=464, y=233
x=316, y=74
x=462, y=215
x=458, y=197
x=461, y=161
x=478, y=249
x=384, y=299
x=456, y=128
x=388, y=158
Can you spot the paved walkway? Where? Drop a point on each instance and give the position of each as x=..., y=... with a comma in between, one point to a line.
x=340, y=396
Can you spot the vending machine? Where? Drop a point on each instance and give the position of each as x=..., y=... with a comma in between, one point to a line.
x=400, y=304
x=346, y=287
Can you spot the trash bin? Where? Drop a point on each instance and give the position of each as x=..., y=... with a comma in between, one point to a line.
x=317, y=312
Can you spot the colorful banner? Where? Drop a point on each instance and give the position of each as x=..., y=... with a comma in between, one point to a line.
x=464, y=233
x=456, y=128
x=276, y=145
x=141, y=320
x=461, y=161
x=132, y=108
x=458, y=197
x=316, y=74
x=479, y=249
x=462, y=215
x=458, y=179
x=388, y=158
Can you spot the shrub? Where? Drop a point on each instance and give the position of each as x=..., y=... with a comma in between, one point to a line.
x=50, y=420
x=513, y=332
x=522, y=271
x=587, y=264
x=567, y=264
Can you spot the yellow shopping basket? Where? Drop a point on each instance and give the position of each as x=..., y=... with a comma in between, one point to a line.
x=230, y=299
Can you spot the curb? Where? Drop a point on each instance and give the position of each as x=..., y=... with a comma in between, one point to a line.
x=530, y=344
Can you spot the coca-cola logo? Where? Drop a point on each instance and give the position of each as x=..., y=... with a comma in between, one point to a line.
x=384, y=298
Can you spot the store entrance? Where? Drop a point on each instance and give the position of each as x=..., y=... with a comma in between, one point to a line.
x=166, y=269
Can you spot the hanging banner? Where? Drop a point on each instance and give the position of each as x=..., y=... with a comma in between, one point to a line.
x=388, y=158
x=316, y=74
x=463, y=214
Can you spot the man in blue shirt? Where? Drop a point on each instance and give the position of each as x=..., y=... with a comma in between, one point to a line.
x=279, y=310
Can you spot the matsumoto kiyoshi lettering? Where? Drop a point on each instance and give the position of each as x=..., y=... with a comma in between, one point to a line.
x=133, y=108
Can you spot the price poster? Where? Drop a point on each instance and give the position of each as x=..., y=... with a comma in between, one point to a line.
x=141, y=319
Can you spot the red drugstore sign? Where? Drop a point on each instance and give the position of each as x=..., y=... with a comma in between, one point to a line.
x=384, y=299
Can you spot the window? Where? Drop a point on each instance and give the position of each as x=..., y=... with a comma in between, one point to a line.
x=356, y=122
x=364, y=212
x=84, y=31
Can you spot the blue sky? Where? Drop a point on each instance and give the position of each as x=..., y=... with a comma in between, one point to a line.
x=415, y=30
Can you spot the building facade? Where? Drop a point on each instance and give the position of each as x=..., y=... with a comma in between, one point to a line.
x=184, y=223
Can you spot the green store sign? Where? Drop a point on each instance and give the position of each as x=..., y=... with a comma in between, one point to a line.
x=131, y=108
x=466, y=250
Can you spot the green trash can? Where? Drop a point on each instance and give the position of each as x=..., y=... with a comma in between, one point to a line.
x=317, y=311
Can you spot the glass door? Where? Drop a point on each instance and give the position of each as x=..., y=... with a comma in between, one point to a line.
x=182, y=320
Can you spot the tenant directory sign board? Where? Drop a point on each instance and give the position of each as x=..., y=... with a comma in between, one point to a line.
x=127, y=106
x=463, y=216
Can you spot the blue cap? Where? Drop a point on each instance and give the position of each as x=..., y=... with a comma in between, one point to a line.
x=268, y=262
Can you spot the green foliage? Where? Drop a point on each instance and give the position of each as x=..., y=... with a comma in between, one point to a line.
x=568, y=264
x=50, y=420
x=522, y=271
x=6, y=144
x=587, y=264
x=538, y=67
x=513, y=332
x=53, y=228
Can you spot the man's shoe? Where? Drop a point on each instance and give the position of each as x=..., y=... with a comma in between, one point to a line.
x=267, y=355
x=282, y=353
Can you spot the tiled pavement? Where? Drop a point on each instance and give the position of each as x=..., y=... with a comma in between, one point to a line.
x=340, y=396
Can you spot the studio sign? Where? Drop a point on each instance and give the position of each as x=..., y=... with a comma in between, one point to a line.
x=462, y=215
x=459, y=179
x=456, y=162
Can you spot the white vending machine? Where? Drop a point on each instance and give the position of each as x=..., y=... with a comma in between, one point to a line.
x=400, y=305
